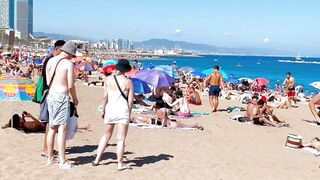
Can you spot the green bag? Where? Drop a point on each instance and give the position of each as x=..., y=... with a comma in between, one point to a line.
x=39, y=91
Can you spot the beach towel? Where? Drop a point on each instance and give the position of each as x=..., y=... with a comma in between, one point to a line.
x=196, y=114
x=311, y=122
x=308, y=149
x=151, y=126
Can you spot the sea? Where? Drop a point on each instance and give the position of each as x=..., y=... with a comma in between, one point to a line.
x=251, y=67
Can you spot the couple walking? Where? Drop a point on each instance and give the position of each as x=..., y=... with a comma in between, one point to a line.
x=117, y=103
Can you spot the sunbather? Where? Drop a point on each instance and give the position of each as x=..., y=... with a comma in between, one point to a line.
x=315, y=143
x=193, y=96
x=20, y=123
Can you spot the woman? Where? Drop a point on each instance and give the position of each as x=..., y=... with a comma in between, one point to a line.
x=117, y=105
x=182, y=102
x=312, y=105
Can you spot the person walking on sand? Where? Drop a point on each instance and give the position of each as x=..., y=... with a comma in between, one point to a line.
x=215, y=81
x=288, y=85
x=312, y=105
x=57, y=50
x=59, y=74
x=117, y=105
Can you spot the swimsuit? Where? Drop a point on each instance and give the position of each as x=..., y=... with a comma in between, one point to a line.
x=214, y=90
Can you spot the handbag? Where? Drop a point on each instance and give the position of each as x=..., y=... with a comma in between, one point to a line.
x=44, y=113
x=123, y=95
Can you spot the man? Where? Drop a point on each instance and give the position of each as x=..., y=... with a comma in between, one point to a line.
x=288, y=84
x=57, y=50
x=250, y=108
x=312, y=105
x=215, y=81
x=58, y=100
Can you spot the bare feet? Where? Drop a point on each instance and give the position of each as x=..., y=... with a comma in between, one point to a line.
x=123, y=167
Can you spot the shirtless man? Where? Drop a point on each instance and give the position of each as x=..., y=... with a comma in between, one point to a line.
x=58, y=100
x=215, y=81
x=288, y=84
x=312, y=105
x=259, y=119
x=250, y=108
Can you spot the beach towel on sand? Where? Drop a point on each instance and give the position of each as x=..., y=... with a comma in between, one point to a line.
x=308, y=149
x=313, y=123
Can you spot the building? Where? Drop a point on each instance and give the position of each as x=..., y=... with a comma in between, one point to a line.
x=25, y=18
x=119, y=43
x=7, y=14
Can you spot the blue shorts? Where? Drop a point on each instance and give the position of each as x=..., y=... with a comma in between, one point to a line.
x=214, y=91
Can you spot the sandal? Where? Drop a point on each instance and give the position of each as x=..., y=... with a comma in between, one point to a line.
x=124, y=167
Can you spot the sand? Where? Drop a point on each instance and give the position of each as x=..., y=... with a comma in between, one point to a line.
x=224, y=150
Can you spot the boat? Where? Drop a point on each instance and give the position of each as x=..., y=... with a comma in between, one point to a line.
x=298, y=60
x=259, y=62
x=239, y=65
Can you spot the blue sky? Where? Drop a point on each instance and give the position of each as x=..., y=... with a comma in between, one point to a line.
x=291, y=25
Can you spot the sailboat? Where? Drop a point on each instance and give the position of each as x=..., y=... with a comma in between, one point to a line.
x=259, y=62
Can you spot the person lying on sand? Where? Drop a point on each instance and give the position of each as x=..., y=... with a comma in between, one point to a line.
x=171, y=123
x=22, y=123
x=312, y=105
x=315, y=143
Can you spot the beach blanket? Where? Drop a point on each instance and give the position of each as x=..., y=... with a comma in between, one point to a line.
x=311, y=122
x=308, y=149
x=240, y=118
x=196, y=114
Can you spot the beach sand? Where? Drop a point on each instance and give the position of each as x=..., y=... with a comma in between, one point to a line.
x=224, y=150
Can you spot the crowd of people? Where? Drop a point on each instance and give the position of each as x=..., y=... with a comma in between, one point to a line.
x=58, y=75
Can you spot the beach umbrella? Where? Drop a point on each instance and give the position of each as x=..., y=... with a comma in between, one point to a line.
x=16, y=89
x=110, y=62
x=262, y=81
x=37, y=61
x=155, y=78
x=109, y=69
x=85, y=66
x=140, y=87
x=246, y=79
x=186, y=69
x=169, y=70
x=211, y=70
x=316, y=84
x=198, y=73
x=232, y=80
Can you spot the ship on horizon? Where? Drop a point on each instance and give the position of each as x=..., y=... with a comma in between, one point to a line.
x=299, y=60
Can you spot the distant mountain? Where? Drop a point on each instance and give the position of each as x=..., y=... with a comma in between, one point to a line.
x=55, y=36
x=187, y=46
x=204, y=48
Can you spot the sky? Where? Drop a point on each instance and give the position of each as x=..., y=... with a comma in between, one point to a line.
x=290, y=25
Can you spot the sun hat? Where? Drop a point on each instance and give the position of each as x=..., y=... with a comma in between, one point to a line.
x=123, y=65
x=70, y=48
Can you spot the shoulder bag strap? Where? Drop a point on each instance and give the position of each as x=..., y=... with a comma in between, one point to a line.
x=54, y=73
x=123, y=95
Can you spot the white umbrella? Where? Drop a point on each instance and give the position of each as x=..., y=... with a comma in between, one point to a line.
x=316, y=84
x=246, y=79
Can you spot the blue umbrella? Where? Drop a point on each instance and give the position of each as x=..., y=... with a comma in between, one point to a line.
x=155, y=78
x=169, y=70
x=198, y=73
x=232, y=80
x=110, y=62
x=37, y=61
x=210, y=71
x=140, y=87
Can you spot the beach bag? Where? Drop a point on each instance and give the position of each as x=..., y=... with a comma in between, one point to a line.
x=38, y=96
x=44, y=113
x=72, y=127
x=293, y=141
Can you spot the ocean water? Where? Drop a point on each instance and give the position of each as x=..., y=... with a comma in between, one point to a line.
x=252, y=67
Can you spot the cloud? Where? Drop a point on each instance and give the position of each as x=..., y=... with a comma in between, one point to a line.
x=177, y=32
x=266, y=40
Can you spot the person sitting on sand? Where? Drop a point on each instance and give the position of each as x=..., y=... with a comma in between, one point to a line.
x=21, y=123
x=193, y=96
x=182, y=103
x=250, y=108
x=259, y=119
x=267, y=112
x=312, y=105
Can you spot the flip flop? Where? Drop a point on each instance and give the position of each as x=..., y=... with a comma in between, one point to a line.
x=124, y=167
